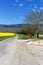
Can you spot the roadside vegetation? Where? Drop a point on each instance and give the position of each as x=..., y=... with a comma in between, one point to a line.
x=24, y=36
x=6, y=35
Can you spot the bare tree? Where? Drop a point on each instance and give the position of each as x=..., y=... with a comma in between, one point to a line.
x=35, y=18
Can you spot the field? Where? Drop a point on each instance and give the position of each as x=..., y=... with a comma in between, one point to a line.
x=6, y=35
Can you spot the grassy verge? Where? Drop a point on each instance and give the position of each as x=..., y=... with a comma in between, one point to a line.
x=5, y=37
x=40, y=36
x=23, y=36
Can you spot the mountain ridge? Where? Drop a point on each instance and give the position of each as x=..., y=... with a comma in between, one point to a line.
x=14, y=27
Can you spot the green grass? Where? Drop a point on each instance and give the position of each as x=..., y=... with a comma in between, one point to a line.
x=23, y=36
x=40, y=36
x=34, y=37
x=5, y=37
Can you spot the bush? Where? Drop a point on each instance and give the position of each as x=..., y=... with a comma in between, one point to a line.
x=23, y=36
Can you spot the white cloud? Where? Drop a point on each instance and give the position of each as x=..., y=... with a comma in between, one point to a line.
x=21, y=17
x=41, y=8
x=35, y=6
x=21, y=5
x=34, y=9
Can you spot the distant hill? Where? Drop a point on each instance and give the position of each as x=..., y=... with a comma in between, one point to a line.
x=14, y=27
x=10, y=28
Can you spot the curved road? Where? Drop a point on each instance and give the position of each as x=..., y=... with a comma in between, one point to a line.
x=15, y=52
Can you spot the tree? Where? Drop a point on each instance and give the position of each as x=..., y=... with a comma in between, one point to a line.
x=35, y=18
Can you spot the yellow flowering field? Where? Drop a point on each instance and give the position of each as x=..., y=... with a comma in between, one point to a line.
x=6, y=34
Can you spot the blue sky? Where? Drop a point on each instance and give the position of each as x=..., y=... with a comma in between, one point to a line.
x=14, y=11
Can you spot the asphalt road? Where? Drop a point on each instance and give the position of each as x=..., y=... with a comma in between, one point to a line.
x=15, y=52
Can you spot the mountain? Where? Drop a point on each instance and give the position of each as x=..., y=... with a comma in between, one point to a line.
x=10, y=28
x=14, y=27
